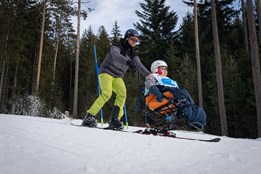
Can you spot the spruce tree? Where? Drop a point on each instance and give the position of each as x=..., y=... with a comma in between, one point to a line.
x=116, y=33
x=172, y=58
x=187, y=75
x=103, y=43
x=157, y=23
x=87, y=78
x=233, y=91
x=186, y=37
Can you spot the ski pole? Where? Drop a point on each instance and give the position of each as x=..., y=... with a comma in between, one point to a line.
x=96, y=72
x=126, y=116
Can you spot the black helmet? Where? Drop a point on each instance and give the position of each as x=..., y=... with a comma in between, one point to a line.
x=131, y=32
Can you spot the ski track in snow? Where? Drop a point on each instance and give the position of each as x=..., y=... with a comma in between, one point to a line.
x=33, y=145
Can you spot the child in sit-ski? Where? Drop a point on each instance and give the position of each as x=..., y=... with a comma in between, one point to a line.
x=157, y=82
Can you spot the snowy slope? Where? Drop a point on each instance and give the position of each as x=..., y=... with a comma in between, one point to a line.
x=30, y=145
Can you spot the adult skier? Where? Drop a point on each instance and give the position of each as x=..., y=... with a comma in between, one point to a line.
x=112, y=70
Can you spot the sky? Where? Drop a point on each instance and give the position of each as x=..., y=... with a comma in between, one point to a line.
x=34, y=145
x=108, y=11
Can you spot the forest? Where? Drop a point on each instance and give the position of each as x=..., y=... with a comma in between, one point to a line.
x=214, y=54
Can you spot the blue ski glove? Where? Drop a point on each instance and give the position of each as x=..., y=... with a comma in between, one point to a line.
x=159, y=97
x=154, y=90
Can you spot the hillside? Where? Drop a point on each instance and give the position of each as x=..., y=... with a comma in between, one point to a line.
x=33, y=145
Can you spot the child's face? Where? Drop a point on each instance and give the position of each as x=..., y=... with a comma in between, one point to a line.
x=163, y=70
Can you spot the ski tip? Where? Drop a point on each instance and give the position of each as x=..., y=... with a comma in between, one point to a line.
x=216, y=139
x=213, y=140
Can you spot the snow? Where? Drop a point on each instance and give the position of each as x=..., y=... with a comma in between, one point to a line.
x=33, y=145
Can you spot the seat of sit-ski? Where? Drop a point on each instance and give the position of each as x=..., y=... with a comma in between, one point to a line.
x=163, y=107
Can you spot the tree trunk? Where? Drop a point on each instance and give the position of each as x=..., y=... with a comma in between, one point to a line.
x=75, y=101
x=200, y=98
x=71, y=82
x=221, y=101
x=2, y=81
x=6, y=84
x=54, y=65
x=40, y=51
x=56, y=53
x=5, y=57
x=255, y=62
x=258, y=6
x=14, y=87
x=244, y=14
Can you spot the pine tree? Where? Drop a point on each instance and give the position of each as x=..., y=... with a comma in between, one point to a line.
x=233, y=91
x=187, y=75
x=186, y=36
x=219, y=77
x=61, y=26
x=87, y=78
x=254, y=50
x=17, y=35
x=116, y=33
x=157, y=25
x=172, y=58
x=103, y=43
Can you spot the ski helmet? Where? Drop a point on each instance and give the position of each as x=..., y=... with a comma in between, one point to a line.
x=156, y=64
x=131, y=32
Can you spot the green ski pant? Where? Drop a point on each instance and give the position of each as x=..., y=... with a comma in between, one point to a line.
x=108, y=85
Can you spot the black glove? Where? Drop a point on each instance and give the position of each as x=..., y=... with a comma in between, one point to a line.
x=131, y=64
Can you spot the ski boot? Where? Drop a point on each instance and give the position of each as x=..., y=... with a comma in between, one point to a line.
x=114, y=123
x=195, y=126
x=89, y=121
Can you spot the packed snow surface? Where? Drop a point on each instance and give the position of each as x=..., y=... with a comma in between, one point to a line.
x=33, y=145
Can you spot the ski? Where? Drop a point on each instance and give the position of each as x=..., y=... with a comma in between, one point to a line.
x=173, y=135
x=161, y=134
x=204, y=140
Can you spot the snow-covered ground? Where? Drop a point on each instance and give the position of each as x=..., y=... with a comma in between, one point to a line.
x=31, y=145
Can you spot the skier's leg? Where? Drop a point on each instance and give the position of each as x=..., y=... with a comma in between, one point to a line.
x=119, y=88
x=114, y=122
x=187, y=95
x=106, y=92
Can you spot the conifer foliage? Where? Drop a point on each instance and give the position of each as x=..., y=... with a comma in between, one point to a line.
x=161, y=38
x=157, y=23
